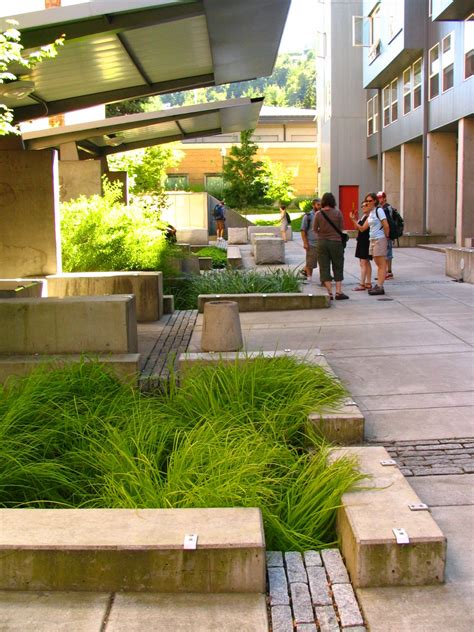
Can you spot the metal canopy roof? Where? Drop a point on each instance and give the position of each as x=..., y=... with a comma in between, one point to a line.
x=114, y=52
x=121, y=133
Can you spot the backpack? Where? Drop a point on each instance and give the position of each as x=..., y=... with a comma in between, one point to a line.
x=392, y=227
x=398, y=221
x=218, y=212
x=288, y=218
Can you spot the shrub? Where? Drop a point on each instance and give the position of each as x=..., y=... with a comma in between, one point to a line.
x=230, y=435
x=218, y=256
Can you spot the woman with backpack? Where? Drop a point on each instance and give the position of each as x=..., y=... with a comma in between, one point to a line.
x=377, y=225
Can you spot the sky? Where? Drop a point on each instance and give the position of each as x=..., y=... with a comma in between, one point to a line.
x=300, y=29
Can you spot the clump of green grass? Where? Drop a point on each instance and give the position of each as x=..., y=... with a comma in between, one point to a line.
x=228, y=435
x=218, y=256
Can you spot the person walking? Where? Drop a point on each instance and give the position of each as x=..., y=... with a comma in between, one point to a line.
x=284, y=221
x=377, y=225
x=382, y=198
x=362, y=251
x=327, y=225
x=219, y=216
x=309, y=239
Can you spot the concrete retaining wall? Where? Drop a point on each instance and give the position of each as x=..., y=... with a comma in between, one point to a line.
x=20, y=288
x=87, y=324
x=146, y=286
x=269, y=302
x=460, y=264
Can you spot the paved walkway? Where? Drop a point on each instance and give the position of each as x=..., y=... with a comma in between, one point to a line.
x=408, y=363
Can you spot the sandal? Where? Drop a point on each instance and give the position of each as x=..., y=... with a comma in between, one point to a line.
x=341, y=296
x=359, y=288
x=368, y=286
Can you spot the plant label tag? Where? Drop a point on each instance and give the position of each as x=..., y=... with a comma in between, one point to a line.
x=190, y=541
x=401, y=535
x=388, y=462
x=418, y=507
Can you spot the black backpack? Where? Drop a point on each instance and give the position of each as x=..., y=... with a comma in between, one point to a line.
x=392, y=227
x=218, y=211
x=288, y=218
x=398, y=221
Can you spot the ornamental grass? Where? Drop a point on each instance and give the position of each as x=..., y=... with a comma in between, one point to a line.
x=228, y=435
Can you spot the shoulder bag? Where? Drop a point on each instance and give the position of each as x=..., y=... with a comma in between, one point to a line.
x=344, y=236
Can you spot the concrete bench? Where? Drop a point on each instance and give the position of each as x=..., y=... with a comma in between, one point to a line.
x=136, y=550
x=76, y=324
x=279, y=301
x=192, y=236
x=168, y=304
x=460, y=264
x=274, y=231
x=20, y=288
x=261, y=235
x=237, y=235
x=124, y=365
x=365, y=524
x=146, y=286
x=269, y=250
x=234, y=257
x=205, y=263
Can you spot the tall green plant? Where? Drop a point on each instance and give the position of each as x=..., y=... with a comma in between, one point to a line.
x=242, y=186
x=276, y=181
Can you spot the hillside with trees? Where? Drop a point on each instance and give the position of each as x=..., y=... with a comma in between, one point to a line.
x=293, y=83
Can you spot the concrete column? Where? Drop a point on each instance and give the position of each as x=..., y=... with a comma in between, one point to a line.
x=29, y=221
x=411, y=186
x=441, y=190
x=80, y=177
x=391, y=163
x=465, y=182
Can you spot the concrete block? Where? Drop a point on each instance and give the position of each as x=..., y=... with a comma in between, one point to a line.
x=365, y=524
x=76, y=324
x=191, y=265
x=269, y=250
x=270, y=302
x=460, y=264
x=146, y=286
x=261, y=235
x=124, y=365
x=269, y=230
x=168, y=303
x=342, y=427
x=20, y=288
x=136, y=550
x=234, y=257
x=237, y=235
x=197, y=613
x=205, y=263
x=221, y=330
x=193, y=236
x=469, y=242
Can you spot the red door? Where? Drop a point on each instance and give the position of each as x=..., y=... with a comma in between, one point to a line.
x=348, y=202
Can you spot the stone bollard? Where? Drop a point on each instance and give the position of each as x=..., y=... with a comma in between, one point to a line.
x=221, y=329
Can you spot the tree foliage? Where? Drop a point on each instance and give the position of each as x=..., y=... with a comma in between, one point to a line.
x=276, y=181
x=242, y=186
x=11, y=52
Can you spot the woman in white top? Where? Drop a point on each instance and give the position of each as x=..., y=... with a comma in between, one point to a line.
x=378, y=227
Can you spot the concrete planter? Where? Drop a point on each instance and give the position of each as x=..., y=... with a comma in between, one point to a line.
x=20, y=288
x=269, y=302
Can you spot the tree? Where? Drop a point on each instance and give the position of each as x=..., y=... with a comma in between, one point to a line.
x=11, y=53
x=276, y=182
x=242, y=186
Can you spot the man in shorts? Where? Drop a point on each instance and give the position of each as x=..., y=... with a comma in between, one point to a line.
x=309, y=239
x=382, y=198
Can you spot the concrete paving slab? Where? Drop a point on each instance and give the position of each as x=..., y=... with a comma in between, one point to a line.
x=445, y=490
x=428, y=608
x=433, y=423
x=188, y=613
x=462, y=328
x=417, y=400
x=52, y=611
x=459, y=347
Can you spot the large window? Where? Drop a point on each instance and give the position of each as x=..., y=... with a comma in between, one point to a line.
x=447, y=61
x=469, y=47
x=390, y=103
x=175, y=182
x=407, y=91
x=417, y=78
x=412, y=87
x=434, y=71
x=370, y=117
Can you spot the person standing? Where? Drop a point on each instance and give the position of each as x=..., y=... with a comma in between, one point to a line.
x=327, y=225
x=309, y=239
x=219, y=215
x=284, y=221
x=362, y=251
x=377, y=225
x=382, y=198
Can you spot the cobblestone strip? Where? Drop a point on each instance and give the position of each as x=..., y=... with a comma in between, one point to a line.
x=432, y=457
x=311, y=592
x=173, y=339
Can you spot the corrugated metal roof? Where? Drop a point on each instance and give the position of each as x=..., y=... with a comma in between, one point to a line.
x=121, y=133
x=114, y=52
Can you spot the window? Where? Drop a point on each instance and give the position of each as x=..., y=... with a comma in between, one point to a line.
x=375, y=26
x=469, y=47
x=407, y=91
x=390, y=103
x=447, y=61
x=175, y=182
x=386, y=105
x=372, y=115
x=434, y=71
x=394, y=99
x=417, y=83
x=376, y=113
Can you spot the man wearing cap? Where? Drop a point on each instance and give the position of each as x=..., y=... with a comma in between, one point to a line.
x=382, y=198
x=309, y=239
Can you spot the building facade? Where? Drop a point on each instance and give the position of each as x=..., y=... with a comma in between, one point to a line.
x=284, y=135
x=417, y=60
